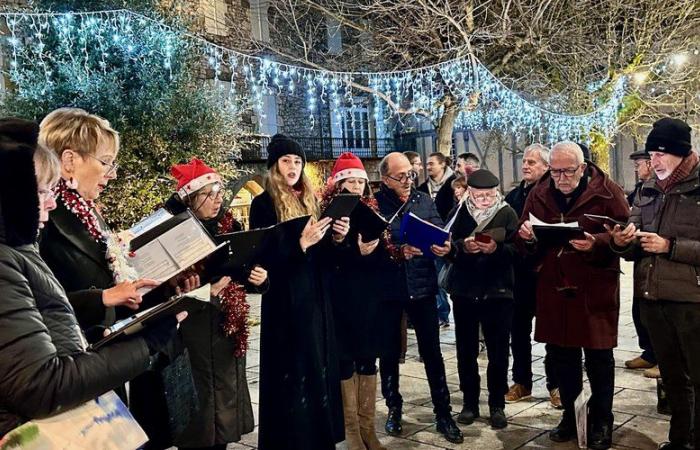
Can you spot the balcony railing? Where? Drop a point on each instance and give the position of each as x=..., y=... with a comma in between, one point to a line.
x=325, y=148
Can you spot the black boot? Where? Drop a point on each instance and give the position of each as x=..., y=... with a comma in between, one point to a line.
x=449, y=430
x=393, y=422
x=565, y=431
x=498, y=418
x=468, y=415
x=600, y=437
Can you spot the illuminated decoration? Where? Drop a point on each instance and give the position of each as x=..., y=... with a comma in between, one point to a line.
x=91, y=42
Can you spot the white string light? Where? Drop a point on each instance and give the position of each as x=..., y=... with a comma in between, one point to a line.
x=90, y=41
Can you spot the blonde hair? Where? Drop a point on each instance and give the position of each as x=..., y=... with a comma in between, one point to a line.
x=46, y=165
x=78, y=130
x=287, y=205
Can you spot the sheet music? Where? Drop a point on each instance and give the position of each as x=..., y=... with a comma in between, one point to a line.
x=581, y=414
x=187, y=243
x=535, y=221
x=149, y=222
x=154, y=262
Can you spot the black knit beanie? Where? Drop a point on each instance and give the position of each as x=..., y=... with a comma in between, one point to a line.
x=281, y=145
x=669, y=136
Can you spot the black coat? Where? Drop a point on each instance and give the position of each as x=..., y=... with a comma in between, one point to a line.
x=224, y=410
x=445, y=197
x=300, y=401
x=524, y=267
x=359, y=288
x=478, y=275
x=417, y=277
x=44, y=368
x=79, y=263
x=517, y=197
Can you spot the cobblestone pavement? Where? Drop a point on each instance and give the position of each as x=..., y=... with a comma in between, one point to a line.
x=638, y=426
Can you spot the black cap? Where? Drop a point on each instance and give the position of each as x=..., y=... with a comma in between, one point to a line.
x=669, y=136
x=482, y=179
x=281, y=145
x=639, y=154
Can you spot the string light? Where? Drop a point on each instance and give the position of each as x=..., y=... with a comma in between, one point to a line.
x=90, y=41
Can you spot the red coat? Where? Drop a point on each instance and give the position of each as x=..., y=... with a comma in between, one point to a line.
x=586, y=314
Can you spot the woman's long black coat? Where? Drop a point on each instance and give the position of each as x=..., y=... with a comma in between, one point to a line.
x=224, y=412
x=358, y=294
x=300, y=402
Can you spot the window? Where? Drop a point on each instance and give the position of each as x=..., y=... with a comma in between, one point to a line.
x=356, y=128
x=214, y=12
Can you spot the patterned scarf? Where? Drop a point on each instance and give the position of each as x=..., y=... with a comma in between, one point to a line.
x=485, y=215
x=680, y=173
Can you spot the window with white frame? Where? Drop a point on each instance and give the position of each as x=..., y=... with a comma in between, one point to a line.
x=356, y=132
x=214, y=12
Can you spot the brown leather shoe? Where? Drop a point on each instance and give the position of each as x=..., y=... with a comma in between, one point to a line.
x=517, y=393
x=638, y=363
x=555, y=398
x=653, y=372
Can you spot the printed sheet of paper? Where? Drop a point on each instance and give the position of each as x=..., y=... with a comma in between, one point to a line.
x=104, y=423
x=581, y=413
x=535, y=221
x=173, y=251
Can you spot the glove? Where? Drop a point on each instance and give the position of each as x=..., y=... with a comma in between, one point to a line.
x=158, y=334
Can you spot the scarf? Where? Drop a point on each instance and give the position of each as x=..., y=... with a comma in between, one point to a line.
x=680, y=173
x=484, y=216
x=435, y=186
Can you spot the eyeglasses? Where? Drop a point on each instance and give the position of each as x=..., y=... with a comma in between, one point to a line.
x=404, y=177
x=556, y=173
x=483, y=197
x=216, y=191
x=110, y=169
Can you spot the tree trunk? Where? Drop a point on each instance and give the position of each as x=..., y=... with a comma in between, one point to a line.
x=446, y=125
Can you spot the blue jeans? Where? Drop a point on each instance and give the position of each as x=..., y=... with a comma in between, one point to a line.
x=443, y=305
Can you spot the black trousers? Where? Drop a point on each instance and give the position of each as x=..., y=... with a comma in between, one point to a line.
x=359, y=366
x=495, y=316
x=423, y=314
x=520, y=341
x=674, y=329
x=600, y=368
x=642, y=333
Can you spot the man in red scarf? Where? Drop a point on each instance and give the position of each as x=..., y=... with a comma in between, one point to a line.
x=663, y=238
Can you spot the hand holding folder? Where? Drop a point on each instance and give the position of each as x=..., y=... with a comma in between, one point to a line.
x=422, y=234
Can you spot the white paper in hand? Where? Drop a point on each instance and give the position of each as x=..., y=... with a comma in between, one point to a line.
x=581, y=413
x=535, y=221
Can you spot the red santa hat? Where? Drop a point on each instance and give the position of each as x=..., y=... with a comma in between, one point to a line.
x=193, y=176
x=348, y=166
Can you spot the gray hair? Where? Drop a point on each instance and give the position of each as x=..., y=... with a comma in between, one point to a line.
x=541, y=150
x=572, y=148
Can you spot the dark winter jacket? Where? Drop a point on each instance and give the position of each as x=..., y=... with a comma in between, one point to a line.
x=300, y=401
x=44, y=368
x=445, y=197
x=477, y=275
x=518, y=196
x=578, y=292
x=674, y=215
x=415, y=278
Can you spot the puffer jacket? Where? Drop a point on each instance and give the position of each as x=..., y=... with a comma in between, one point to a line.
x=674, y=215
x=417, y=277
x=44, y=368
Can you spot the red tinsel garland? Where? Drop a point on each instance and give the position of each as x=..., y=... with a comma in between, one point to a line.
x=234, y=306
x=81, y=208
x=392, y=249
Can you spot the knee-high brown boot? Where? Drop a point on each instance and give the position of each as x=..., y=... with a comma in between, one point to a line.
x=367, y=395
x=353, y=438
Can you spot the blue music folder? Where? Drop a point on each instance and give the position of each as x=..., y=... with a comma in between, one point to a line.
x=421, y=234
